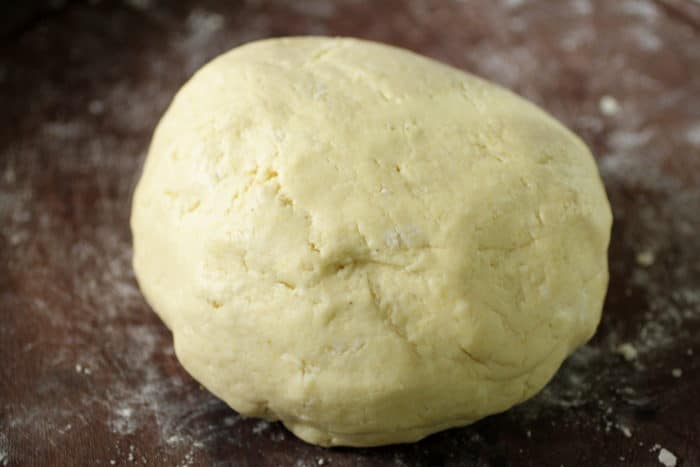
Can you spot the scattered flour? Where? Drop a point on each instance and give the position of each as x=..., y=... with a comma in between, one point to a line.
x=4, y=448
x=644, y=39
x=625, y=430
x=692, y=134
x=96, y=107
x=645, y=258
x=124, y=421
x=582, y=7
x=609, y=106
x=231, y=420
x=640, y=9
x=261, y=426
x=277, y=436
x=628, y=351
x=513, y=3
x=667, y=458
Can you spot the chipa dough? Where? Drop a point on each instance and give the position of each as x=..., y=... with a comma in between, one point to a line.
x=366, y=244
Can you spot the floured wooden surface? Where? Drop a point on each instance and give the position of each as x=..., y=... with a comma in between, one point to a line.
x=87, y=372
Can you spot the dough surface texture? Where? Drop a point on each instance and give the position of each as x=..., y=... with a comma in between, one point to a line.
x=366, y=244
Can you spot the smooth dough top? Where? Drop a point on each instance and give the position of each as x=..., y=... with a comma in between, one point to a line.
x=364, y=243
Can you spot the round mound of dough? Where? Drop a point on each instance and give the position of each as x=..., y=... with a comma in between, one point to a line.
x=366, y=244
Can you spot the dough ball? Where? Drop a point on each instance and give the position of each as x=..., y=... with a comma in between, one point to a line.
x=366, y=244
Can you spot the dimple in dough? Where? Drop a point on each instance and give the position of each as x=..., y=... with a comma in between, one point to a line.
x=366, y=244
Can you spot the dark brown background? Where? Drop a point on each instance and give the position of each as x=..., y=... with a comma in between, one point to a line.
x=87, y=372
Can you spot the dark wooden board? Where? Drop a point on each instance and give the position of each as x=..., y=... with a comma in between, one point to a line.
x=87, y=371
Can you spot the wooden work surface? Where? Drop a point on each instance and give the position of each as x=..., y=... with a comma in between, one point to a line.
x=87, y=371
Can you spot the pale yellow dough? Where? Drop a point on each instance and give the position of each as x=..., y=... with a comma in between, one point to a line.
x=364, y=243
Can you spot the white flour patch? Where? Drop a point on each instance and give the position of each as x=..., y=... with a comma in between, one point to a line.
x=63, y=130
x=667, y=458
x=277, y=436
x=576, y=38
x=623, y=140
x=641, y=9
x=231, y=420
x=645, y=39
x=498, y=64
x=692, y=134
x=204, y=23
x=608, y=106
x=123, y=421
x=198, y=44
x=4, y=451
x=261, y=426
x=582, y=7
